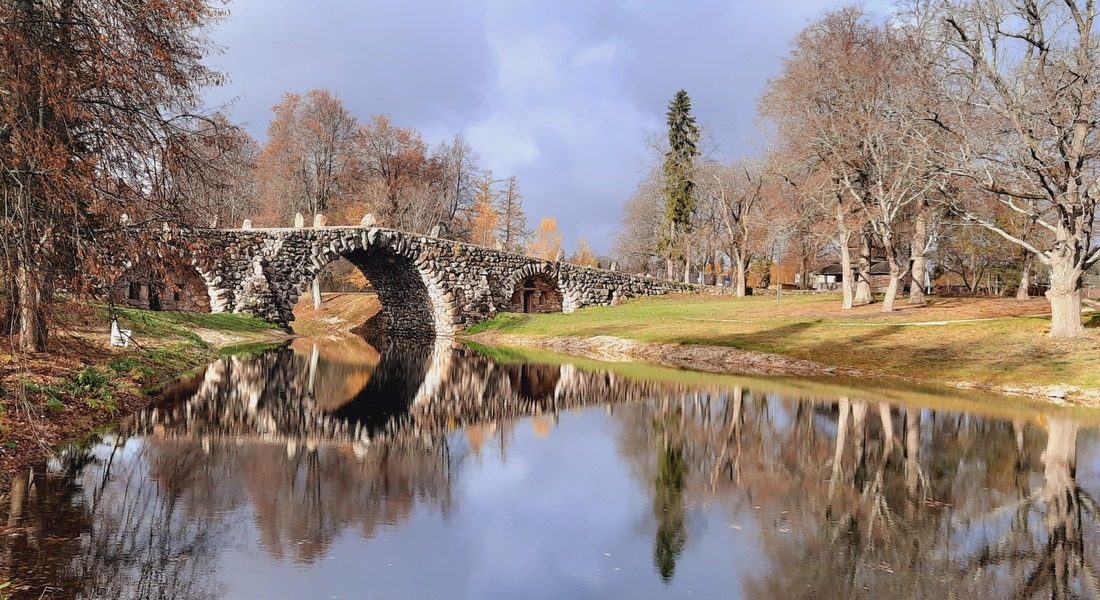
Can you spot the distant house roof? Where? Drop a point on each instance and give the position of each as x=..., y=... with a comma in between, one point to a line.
x=878, y=267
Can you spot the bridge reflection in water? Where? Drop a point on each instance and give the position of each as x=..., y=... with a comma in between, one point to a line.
x=490, y=472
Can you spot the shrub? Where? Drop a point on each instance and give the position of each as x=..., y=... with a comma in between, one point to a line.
x=95, y=386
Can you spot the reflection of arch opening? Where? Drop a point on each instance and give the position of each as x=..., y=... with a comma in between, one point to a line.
x=536, y=293
x=170, y=286
x=407, y=308
x=534, y=381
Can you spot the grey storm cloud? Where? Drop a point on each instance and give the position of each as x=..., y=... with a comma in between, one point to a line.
x=561, y=94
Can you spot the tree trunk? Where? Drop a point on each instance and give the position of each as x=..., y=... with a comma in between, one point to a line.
x=841, y=437
x=896, y=270
x=804, y=271
x=1064, y=294
x=887, y=420
x=892, y=289
x=1023, y=292
x=670, y=262
x=687, y=260
x=912, y=458
x=845, y=271
x=1063, y=500
x=739, y=258
x=919, y=263
x=863, y=282
x=29, y=311
x=1065, y=313
x=317, y=293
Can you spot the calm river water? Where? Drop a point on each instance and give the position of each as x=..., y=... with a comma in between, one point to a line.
x=339, y=470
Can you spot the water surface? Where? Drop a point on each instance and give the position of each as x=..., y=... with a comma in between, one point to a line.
x=342, y=470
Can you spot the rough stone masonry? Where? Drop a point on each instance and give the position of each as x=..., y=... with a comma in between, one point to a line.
x=427, y=286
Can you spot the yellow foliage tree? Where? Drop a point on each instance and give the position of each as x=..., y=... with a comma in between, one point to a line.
x=584, y=256
x=484, y=219
x=547, y=242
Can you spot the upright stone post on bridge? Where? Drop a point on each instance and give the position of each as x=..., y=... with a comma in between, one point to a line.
x=299, y=221
x=247, y=224
x=319, y=220
x=368, y=220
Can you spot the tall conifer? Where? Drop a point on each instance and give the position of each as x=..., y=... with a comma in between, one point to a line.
x=683, y=140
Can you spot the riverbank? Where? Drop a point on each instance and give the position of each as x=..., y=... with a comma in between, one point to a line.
x=82, y=382
x=979, y=343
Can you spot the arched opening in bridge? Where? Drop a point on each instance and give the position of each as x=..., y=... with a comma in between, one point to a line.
x=346, y=299
x=404, y=307
x=171, y=286
x=537, y=293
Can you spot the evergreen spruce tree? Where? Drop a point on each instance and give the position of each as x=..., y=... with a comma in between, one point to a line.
x=678, y=168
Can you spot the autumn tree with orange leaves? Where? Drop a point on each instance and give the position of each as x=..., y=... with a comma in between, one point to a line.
x=95, y=97
x=584, y=256
x=546, y=242
x=307, y=163
x=484, y=218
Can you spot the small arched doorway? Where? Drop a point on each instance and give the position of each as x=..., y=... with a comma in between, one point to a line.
x=537, y=294
x=170, y=286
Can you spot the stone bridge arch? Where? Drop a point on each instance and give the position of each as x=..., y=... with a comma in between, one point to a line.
x=412, y=302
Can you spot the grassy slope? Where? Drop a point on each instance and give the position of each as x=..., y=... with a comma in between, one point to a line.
x=81, y=382
x=1011, y=349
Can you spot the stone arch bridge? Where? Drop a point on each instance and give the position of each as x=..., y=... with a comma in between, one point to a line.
x=426, y=286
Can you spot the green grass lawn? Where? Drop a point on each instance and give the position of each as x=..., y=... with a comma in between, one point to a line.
x=1009, y=348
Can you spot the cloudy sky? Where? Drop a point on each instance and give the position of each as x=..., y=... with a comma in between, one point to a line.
x=560, y=93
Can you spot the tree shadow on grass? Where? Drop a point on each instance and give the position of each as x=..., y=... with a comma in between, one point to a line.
x=765, y=340
x=1092, y=320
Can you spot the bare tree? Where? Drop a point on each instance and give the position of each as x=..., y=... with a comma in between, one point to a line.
x=1021, y=79
x=459, y=171
x=307, y=163
x=214, y=173
x=846, y=107
x=731, y=193
x=812, y=106
x=395, y=173
x=640, y=227
x=512, y=229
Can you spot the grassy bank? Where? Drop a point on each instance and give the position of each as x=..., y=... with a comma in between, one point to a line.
x=989, y=342
x=82, y=382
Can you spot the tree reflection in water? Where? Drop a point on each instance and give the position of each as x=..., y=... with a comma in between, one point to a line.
x=848, y=496
x=668, y=493
x=864, y=500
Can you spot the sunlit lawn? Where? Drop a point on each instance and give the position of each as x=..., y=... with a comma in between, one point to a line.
x=1011, y=348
